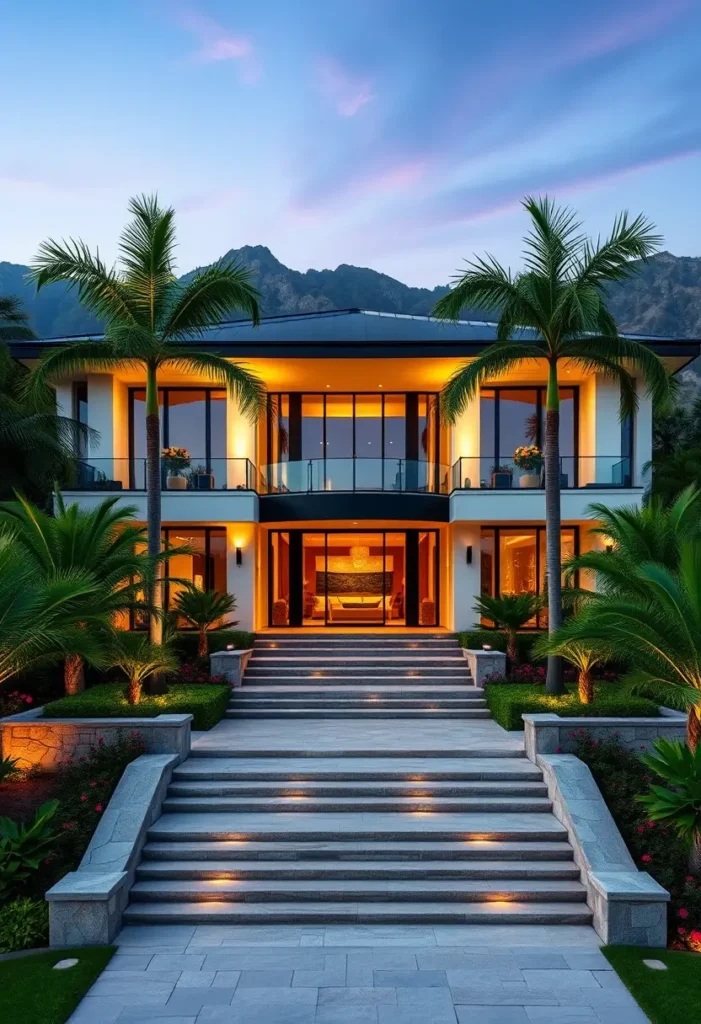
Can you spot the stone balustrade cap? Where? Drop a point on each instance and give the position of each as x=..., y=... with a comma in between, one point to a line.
x=86, y=885
x=119, y=723
x=629, y=886
x=232, y=654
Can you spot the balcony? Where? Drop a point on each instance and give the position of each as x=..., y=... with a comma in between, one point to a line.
x=595, y=471
x=130, y=475
x=356, y=474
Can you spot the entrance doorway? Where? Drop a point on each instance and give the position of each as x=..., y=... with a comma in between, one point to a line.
x=353, y=578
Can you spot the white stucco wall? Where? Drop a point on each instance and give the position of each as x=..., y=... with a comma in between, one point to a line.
x=465, y=578
x=240, y=579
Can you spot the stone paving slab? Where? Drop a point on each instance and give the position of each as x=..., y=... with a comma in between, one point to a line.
x=220, y=974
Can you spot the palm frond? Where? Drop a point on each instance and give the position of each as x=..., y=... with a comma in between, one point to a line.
x=241, y=383
x=612, y=259
x=71, y=361
x=99, y=288
x=659, y=383
x=554, y=235
x=485, y=285
x=210, y=296
x=146, y=252
x=465, y=382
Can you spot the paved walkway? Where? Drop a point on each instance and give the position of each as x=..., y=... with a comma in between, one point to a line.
x=358, y=975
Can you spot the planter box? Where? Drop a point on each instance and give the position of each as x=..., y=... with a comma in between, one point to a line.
x=551, y=734
x=202, y=482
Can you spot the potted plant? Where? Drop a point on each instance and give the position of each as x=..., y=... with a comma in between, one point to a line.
x=201, y=478
x=529, y=459
x=502, y=477
x=175, y=461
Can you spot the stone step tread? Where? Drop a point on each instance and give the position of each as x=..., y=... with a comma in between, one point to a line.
x=362, y=712
x=351, y=689
x=467, y=755
x=358, y=869
x=357, y=804
x=351, y=656
x=390, y=889
x=424, y=912
x=348, y=851
x=293, y=825
x=413, y=769
x=334, y=787
x=246, y=698
x=422, y=680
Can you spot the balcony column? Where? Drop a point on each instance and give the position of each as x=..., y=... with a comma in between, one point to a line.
x=599, y=429
x=240, y=444
x=466, y=578
x=108, y=414
x=465, y=445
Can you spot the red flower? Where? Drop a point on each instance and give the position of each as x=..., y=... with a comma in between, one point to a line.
x=68, y=824
x=681, y=931
x=651, y=824
x=683, y=913
x=93, y=783
x=646, y=858
x=83, y=796
x=559, y=750
x=695, y=936
x=98, y=807
x=100, y=740
x=689, y=878
x=640, y=828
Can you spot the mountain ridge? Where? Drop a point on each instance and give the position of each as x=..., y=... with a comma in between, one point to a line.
x=663, y=298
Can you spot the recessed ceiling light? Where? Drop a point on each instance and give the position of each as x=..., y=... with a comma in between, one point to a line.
x=328, y=385
x=379, y=385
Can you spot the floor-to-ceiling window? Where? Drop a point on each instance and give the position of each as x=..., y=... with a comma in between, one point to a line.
x=328, y=441
x=514, y=561
x=192, y=418
x=511, y=417
x=351, y=578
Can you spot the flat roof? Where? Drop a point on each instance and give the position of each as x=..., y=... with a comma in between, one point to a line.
x=354, y=332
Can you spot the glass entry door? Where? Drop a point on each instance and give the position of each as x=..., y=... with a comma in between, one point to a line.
x=353, y=578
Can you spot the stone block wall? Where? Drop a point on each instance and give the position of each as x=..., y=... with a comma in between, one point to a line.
x=551, y=734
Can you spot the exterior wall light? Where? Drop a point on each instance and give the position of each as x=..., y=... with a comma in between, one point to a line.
x=239, y=555
x=609, y=549
x=468, y=554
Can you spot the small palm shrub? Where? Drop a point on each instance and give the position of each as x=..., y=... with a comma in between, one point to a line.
x=677, y=805
x=8, y=767
x=509, y=613
x=140, y=659
x=23, y=847
x=204, y=610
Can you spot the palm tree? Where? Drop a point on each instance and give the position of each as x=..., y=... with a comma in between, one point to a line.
x=581, y=656
x=104, y=543
x=656, y=629
x=39, y=615
x=678, y=807
x=139, y=658
x=14, y=321
x=560, y=300
x=510, y=612
x=203, y=609
x=149, y=318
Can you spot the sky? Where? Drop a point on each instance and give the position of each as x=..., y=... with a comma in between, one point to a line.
x=394, y=134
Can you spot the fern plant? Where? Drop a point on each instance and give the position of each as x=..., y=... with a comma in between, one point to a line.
x=678, y=806
x=23, y=847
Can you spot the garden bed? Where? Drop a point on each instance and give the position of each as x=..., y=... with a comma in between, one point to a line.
x=32, y=992
x=206, y=703
x=621, y=777
x=509, y=701
x=667, y=997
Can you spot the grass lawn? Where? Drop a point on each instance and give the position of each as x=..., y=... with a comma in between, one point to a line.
x=31, y=992
x=667, y=997
x=508, y=701
x=206, y=702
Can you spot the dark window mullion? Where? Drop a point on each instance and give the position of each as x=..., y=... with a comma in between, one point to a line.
x=208, y=429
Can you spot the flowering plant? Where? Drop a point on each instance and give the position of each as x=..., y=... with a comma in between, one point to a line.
x=529, y=457
x=175, y=459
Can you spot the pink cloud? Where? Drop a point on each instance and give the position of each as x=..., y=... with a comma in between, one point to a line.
x=347, y=92
x=626, y=30
x=215, y=44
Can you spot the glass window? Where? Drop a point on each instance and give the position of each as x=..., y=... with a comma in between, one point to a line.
x=518, y=420
x=428, y=593
x=187, y=423
x=279, y=569
x=312, y=426
x=339, y=427
x=368, y=442
x=517, y=562
x=487, y=566
x=395, y=426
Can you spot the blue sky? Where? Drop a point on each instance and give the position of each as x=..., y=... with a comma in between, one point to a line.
x=396, y=134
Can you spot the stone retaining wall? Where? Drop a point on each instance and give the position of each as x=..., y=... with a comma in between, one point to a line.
x=551, y=734
x=46, y=743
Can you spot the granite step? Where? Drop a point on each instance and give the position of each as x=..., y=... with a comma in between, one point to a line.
x=355, y=713
x=348, y=852
x=334, y=788
x=478, y=890
x=360, y=680
x=414, y=769
x=465, y=754
x=224, y=912
x=358, y=804
x=323, y=702
x=185, y=870
x=353, y=690
x=301, y=825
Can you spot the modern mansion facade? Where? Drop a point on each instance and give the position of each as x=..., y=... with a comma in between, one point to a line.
x=349, y=503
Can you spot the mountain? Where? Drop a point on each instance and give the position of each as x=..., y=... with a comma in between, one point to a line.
x=664, y=298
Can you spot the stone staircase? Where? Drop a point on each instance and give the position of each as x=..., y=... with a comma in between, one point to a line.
x=280, y=834
x=367, y=676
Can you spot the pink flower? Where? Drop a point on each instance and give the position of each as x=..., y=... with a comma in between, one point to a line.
x=98, y=808
x=681, y=931
x=683, y=913
x=83, y=796
x=559, y=750
x=646, y=858
x=689, y=878
x=640, y=828
x=100, y=740
x=651, y=824
x=93, y=783
x=695, y=936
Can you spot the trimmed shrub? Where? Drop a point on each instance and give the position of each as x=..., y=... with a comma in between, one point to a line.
x=24, y=924
x=475, y=638
x=509, y=702
x=185, y=643
x=207, y=704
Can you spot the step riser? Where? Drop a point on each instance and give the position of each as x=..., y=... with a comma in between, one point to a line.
x=280, y=856
x=147, y=913
x=288, y=835
x=366, y=681
x=306, y=805
x=461, y=753
x=245, y=703
x=139, y=895
x=182, y=789
x=310, y=713
x=184, y=776
x=173, y=873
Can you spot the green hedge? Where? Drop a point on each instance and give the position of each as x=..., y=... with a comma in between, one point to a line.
x=475, y=638
x=206, y=703
x=508, y=701
x=219, y=639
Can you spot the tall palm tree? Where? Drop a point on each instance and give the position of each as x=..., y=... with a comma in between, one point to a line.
x=560, y=299
x=104, y=543
x=14, y=320
x=149, y=319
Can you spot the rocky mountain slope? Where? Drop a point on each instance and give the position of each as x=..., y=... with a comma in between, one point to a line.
x=664, y=298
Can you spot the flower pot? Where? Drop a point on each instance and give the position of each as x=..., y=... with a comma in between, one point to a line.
x=530, y=480
x=501, y=481
x=177, y=483
x=202, y=481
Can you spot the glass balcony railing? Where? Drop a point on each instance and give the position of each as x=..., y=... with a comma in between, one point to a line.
x=575, y=471
x=130, y=475
x=312, y=475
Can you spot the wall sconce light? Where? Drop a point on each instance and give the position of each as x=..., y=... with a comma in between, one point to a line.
x=609, y=549
x=239, y=555
x=468, y=554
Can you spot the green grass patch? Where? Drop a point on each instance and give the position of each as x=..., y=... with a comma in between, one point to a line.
x=206, y=703
x=667, y=997
x=32, y=992
x=508, y=701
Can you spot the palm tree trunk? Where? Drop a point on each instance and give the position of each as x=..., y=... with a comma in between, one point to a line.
x=694, y=862
x=512, y=649
x=693, y=729
x=586, y=686
x=202, y=645
x=554, y=683
x=153, y=496
x=134, y=690
x=73, y=675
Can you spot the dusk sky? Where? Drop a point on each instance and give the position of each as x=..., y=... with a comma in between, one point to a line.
x=395, y=134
